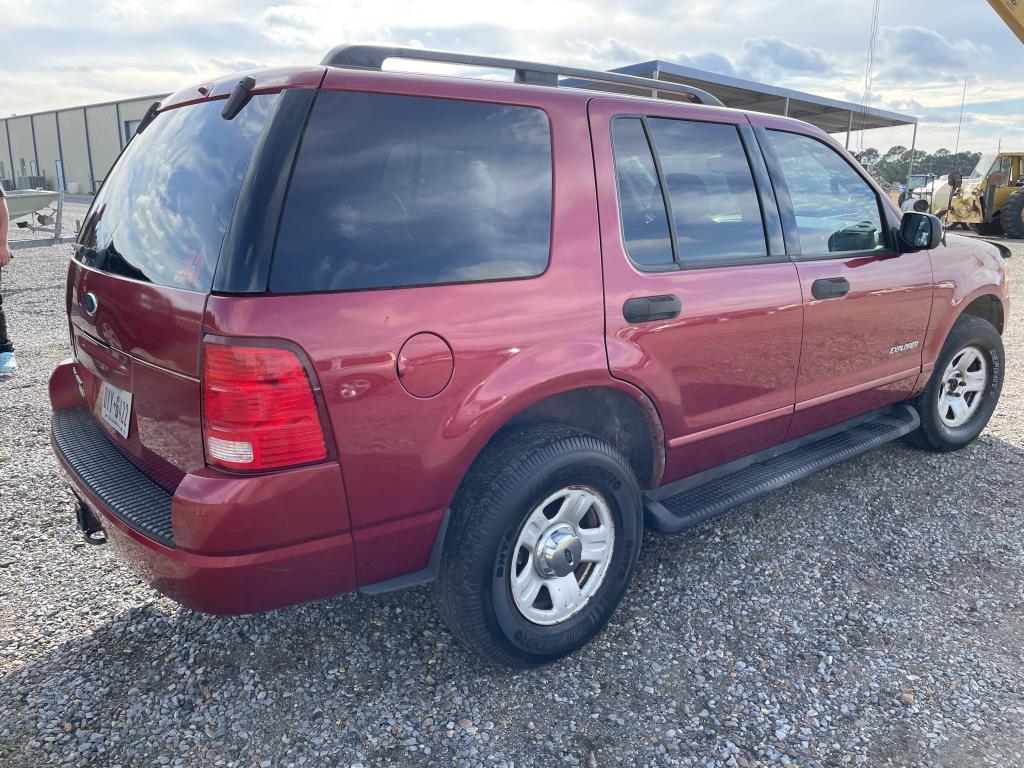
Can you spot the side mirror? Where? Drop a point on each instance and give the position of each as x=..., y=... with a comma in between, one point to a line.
x=919, y=232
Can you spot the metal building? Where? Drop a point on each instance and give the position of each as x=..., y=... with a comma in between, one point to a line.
x=67, y=149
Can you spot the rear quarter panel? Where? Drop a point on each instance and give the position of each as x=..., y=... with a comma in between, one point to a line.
x=514, y=342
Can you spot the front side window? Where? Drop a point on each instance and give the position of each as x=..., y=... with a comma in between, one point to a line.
x=836, y=210
x=392, y=191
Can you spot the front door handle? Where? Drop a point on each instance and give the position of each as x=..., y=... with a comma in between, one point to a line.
x=830, y=288
x=647, y=308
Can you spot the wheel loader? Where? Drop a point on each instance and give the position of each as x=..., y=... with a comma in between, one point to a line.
x=991, y=199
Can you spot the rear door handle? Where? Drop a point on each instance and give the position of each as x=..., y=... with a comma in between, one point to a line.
x=830, y=288
x=647, y=308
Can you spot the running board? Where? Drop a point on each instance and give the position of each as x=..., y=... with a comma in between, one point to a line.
x=694, y=500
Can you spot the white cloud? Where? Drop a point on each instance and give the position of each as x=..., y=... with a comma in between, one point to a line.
x=118, y=48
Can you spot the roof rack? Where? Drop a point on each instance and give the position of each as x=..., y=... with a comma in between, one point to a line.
x=374, y=56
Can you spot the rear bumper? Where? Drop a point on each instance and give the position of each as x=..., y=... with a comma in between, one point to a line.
x=218, y=543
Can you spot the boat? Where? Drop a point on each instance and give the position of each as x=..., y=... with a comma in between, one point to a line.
x=22, y=202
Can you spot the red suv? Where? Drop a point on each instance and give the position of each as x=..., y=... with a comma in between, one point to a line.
x=336, y=328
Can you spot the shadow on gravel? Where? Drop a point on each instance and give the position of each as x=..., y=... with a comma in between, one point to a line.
x=892, y=575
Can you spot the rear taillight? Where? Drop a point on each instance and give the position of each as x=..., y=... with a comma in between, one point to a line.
x=258, y=409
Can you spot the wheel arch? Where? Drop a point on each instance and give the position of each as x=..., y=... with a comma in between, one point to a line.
x=614, y=411
x=988, y=307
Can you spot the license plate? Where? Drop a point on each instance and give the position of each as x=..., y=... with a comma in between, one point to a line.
x=116, y=407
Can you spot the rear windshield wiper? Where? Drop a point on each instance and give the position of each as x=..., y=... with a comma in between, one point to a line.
x=238, y=99
x=147, y=118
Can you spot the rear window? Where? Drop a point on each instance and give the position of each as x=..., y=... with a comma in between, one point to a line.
x=162, y=212
x=393, y=191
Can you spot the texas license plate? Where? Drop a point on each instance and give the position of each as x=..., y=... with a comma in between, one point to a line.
x=116, y=407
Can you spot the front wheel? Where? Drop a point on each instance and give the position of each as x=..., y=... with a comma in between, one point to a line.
x=543, y=539
x=964, y=387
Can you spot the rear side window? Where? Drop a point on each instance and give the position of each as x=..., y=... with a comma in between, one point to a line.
x=162, y=212
x=711, y=188
x=836, y=210
x=712, y=215
x=641, y=205
x=393, y=191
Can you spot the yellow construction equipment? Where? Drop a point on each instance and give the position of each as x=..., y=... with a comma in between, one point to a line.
x=1012, y=12
x=991, y=198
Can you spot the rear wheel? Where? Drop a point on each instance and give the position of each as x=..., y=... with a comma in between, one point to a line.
x=543, y=540
x=1012, y=216
x=964, y=387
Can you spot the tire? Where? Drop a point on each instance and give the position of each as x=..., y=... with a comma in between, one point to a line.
x=941, y=430
x=1011, y=217
x=987, y=228
x=503, y=492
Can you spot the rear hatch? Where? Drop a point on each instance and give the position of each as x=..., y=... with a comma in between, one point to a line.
x=143, y=268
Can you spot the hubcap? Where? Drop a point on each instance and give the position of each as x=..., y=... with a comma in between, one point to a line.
x=964, y=383
x=562, y=555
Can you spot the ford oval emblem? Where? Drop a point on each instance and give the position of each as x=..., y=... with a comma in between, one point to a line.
x=90, y=304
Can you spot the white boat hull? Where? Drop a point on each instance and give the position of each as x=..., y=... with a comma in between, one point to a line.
x=22, y=202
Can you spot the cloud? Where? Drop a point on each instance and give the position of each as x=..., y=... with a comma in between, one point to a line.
x=110, y=49
x=777, y=55
x=709, y=61
x=925, y=52
x=761, y=59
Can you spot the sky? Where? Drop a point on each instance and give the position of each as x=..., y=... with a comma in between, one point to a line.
x=61, y=53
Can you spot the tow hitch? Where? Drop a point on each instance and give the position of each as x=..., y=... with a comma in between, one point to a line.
x=88, y=524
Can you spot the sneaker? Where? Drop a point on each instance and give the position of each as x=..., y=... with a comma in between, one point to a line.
x=7, y=363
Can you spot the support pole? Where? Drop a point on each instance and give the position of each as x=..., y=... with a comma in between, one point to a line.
x=849, y=129
x=785, y=108
x=913, y=146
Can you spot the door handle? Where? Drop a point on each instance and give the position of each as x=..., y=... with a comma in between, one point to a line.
x=830, y=288
x=647, y=308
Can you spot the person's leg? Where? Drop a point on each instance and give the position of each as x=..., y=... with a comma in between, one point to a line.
x=5, y=341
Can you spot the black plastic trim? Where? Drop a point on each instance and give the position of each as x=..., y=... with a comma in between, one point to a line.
x=694, y=500
x=765, y=192
x=416, y=578
x=787, y=215
x=830, y=288
x=248, y=247
x=644, y=309
x=96, y=464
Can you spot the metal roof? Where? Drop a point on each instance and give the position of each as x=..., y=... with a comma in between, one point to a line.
x=831, y=115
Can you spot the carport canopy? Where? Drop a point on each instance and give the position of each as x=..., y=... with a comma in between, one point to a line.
x=831, y=115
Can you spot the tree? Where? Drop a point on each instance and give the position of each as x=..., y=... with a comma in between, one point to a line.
x=894, y=164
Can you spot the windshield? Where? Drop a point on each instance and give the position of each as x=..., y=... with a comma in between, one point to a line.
x=983, y=167
x=162, y=212
x=920, y=180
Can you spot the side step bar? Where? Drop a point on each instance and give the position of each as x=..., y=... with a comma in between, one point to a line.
x=694, y=500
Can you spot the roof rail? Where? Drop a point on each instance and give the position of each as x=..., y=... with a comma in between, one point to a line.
x=374, y=56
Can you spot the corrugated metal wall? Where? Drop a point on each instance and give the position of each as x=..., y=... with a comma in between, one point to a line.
x=84, y=140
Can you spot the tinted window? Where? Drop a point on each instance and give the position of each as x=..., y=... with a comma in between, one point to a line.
x=400, y=190
x=641, y=205
x=711, y=188
x=836, y=211
x=161, y=215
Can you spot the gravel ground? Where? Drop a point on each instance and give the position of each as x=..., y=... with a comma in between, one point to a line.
x=870, y=615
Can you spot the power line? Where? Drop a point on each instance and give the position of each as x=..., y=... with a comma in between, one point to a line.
x=956, y=147
x=869, y=72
